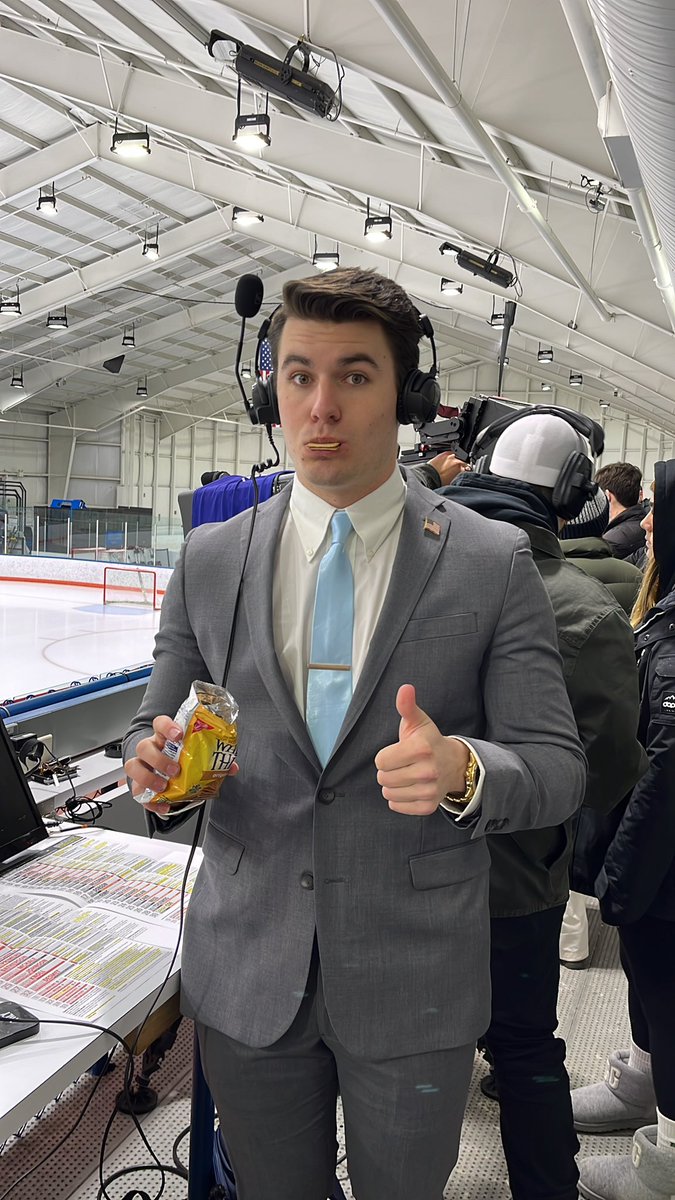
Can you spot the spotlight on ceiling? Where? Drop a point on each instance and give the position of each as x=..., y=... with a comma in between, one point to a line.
x=47, y=202
x=488, y=268
x=545, y=355
x=251, y=130
x=497, y=319
x=450, y=287
x=129, y=336
x=576, y=379
x=151, y=245
x=17, y=378
x=142, y=387
x=377, y=229
x=58, y=321
x=246, y=371
x=11, y=307
x=246, y=216
x=325, y=260
x=604, y=405
x=547, y=387
x=130, y=145
x=299, y=85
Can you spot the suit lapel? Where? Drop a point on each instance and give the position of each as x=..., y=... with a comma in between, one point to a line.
x=257, y=597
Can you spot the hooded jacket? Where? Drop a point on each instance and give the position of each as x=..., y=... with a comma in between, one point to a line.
x=529, y=870
x=638, y=877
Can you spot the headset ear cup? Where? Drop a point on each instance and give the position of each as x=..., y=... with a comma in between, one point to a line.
x=418, y=398
x=573, y=487
x=264, y=409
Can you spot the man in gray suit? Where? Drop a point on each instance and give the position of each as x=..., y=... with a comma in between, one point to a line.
x=337, y=940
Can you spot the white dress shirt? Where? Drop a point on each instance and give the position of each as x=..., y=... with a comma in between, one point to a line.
x=305, y=537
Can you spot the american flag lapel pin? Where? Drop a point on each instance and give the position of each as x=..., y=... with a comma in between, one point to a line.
x=431, y=528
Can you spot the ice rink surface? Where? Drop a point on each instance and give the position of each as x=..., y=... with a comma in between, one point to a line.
x=52, y=635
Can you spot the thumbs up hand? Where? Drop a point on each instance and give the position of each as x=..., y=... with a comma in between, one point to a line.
x=416, y=771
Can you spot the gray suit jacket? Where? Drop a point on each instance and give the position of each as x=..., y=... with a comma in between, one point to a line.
x=399, y=904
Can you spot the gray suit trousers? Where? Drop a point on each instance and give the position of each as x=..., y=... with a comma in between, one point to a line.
x=402, y=1116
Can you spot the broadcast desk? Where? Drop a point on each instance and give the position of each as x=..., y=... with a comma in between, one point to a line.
x=34, y=1071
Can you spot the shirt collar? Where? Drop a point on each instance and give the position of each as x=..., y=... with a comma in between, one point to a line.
x=373, y=517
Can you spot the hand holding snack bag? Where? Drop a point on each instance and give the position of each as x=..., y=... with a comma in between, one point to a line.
x=205, y=754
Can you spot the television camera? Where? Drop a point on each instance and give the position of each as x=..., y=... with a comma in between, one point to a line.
x=456, y=429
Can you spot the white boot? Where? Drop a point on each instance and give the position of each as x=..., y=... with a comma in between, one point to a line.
x=648, y=1173
x=624, y=1100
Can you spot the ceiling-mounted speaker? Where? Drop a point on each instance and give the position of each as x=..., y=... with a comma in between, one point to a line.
x=114, y=365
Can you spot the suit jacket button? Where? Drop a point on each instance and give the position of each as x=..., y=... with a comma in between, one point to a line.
x=326, y=796
x=307, y=881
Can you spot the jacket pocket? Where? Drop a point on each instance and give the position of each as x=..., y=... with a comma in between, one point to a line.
x=452, y=625
x=453, y=864
x=662, y=700
x=225, y=848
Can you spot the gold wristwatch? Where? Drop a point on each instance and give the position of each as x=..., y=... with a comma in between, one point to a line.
x=471, y=777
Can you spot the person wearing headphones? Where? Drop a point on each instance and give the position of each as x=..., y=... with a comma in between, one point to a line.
x=533, y=472
x=400, y=695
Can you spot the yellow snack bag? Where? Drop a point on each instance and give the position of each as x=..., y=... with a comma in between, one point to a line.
x=207, y=750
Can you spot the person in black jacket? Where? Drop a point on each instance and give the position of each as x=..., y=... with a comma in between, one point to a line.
x=636, y=890
x=621, y=482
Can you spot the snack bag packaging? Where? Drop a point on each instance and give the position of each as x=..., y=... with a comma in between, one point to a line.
x=205, y=753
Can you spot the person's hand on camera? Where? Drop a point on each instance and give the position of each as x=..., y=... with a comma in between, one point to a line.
x=152, y=768
x=417, y=771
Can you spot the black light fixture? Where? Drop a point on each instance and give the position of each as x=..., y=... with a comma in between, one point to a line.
x=547, y=387
x=497, y=318
x=47, y=201
x=142, y=386
x=450, y=287
x=17, y=378
x=377, y=229
x=151, y=244
x=12, y=307
x=576, y=379
x=545, y=354
x=129, y=335
x=247, y=371
x=596, y=194
x=246, y=216
x=130, y=145
x=58, y=321
x=325, y=260
x=251, y=130
x=487, y=268
x=299, y=85
x=604, y=405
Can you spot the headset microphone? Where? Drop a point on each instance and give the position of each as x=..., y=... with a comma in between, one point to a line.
x=248, y=296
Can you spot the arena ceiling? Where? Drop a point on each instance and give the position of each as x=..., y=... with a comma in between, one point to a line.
x=474, y=122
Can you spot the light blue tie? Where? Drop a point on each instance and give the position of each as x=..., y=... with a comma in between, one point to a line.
x=329, y=679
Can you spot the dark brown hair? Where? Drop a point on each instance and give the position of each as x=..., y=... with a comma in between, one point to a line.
x=623, y=480
x=352, y=294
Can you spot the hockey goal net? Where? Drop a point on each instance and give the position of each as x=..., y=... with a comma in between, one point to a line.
x=131, y=585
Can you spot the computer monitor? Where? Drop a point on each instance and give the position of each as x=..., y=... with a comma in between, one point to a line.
x=21, y=825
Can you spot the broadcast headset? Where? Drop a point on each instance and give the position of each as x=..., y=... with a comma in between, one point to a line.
x=574, y=484
x=417, y=401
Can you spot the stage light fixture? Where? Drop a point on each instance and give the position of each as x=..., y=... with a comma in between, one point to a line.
x=151, y=245
x=142, y=387
x=298, y=85
x=377, y=229
x=246, y=216
x=58, y=321
x=488, y=268
x=450, y=287
x=129, y=336
x=47, y=202
x=17, y=378
x=547, y=387
x=604, y=405
x=130, y=145
x=545, y=355
x=576, y=379
x=246, y=371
